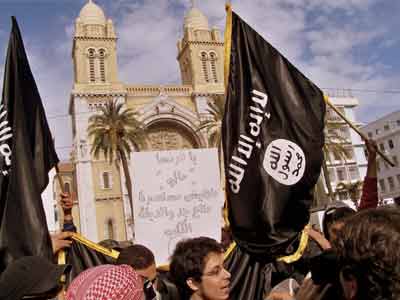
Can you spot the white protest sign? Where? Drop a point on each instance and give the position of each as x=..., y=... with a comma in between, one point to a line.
x=177, y=195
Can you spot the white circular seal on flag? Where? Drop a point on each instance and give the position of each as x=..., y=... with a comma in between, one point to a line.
x=284, y=161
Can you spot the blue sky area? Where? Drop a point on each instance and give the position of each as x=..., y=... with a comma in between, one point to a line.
x=341, y=44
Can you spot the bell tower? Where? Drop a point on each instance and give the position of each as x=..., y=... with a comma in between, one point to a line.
x=94, y=48
x=201, y=53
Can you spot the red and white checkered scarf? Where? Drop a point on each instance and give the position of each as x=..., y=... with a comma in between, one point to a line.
x=107, y=282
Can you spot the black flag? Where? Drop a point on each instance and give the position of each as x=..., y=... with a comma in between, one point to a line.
x=272, y=138
x=26, y=155
x=84, y=254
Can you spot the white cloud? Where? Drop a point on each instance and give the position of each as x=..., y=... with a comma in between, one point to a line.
x=348, y=6
x=323, y=38
x=147, y=49
x=53, y=78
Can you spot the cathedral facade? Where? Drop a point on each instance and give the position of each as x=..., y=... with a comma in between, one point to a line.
x=171, y=114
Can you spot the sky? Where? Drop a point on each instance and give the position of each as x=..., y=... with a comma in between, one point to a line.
x=338, y=44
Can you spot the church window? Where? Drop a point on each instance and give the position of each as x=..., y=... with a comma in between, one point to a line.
x=184, y=73
x=213, y=59
x=109, y=229
x=106, y=180
x=102, y=55
x=204, y=68
x=55, y=210
x=92, y=55
x=188, y=70
x=67, y=187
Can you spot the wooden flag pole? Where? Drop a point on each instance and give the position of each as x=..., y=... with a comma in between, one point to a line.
x=227, y=56
x=362, y=135
x=227, y=43
x=61, y=254
x=59, y=178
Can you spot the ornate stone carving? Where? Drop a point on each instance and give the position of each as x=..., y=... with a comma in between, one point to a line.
x=169, y=137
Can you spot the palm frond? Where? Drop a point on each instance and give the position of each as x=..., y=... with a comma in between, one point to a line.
x=114, y=129
x=213, y=125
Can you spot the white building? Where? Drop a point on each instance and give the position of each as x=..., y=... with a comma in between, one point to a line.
x=354, y=167
x=49, y=204
x=386, y=132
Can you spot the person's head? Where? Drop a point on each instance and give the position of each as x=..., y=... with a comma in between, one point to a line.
x=106, y=282
x=367, y=249
x=141, y=259
x=110, y=244
x=31, y=276
x=197, y=269
x=333, y=220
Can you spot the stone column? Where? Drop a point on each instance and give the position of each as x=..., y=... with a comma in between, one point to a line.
x=85, y=187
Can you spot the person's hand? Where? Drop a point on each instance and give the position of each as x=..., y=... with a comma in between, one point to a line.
x=319, y=238
x=372, y=148
x=60, y=241
x=66, y=203
x=310, y=291
x=279, y=296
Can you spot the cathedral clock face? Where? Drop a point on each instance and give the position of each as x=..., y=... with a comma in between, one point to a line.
x=170, y=136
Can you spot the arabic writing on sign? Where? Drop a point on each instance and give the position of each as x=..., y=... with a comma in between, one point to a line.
x=156, y=207
x=177, y=196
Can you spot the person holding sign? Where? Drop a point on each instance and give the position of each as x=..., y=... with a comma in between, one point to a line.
x=197, y=269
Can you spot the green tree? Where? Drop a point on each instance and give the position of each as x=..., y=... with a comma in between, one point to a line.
x=114, y=131
x=335, y=144
x=213, y=124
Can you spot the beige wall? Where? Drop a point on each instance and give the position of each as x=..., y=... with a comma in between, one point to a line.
x=98, y=167
x=110, y=210
x=136, y=102
x=109, y=205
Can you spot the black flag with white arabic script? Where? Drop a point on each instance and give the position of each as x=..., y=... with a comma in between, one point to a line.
x=26, y=155
x=272, y=139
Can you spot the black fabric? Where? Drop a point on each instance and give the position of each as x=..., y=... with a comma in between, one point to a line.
x=272, y=132
x=266, y=215
x=30, y=275
x=253, y=277
x=249, y=277
x=24, y=173
x=166, y=288
x=82, y=257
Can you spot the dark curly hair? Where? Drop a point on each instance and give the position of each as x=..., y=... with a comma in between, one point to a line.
x=189, y=260
x=137, y=256
x=333, y=215
x=368, y=249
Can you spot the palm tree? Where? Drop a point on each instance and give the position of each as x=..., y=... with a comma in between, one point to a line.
x=114, y=132
x=216, y=109
x=353, y=188
x=335, y=144
x=213, y=124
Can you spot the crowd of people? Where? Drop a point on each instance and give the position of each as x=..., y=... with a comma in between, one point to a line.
x=358, y=260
